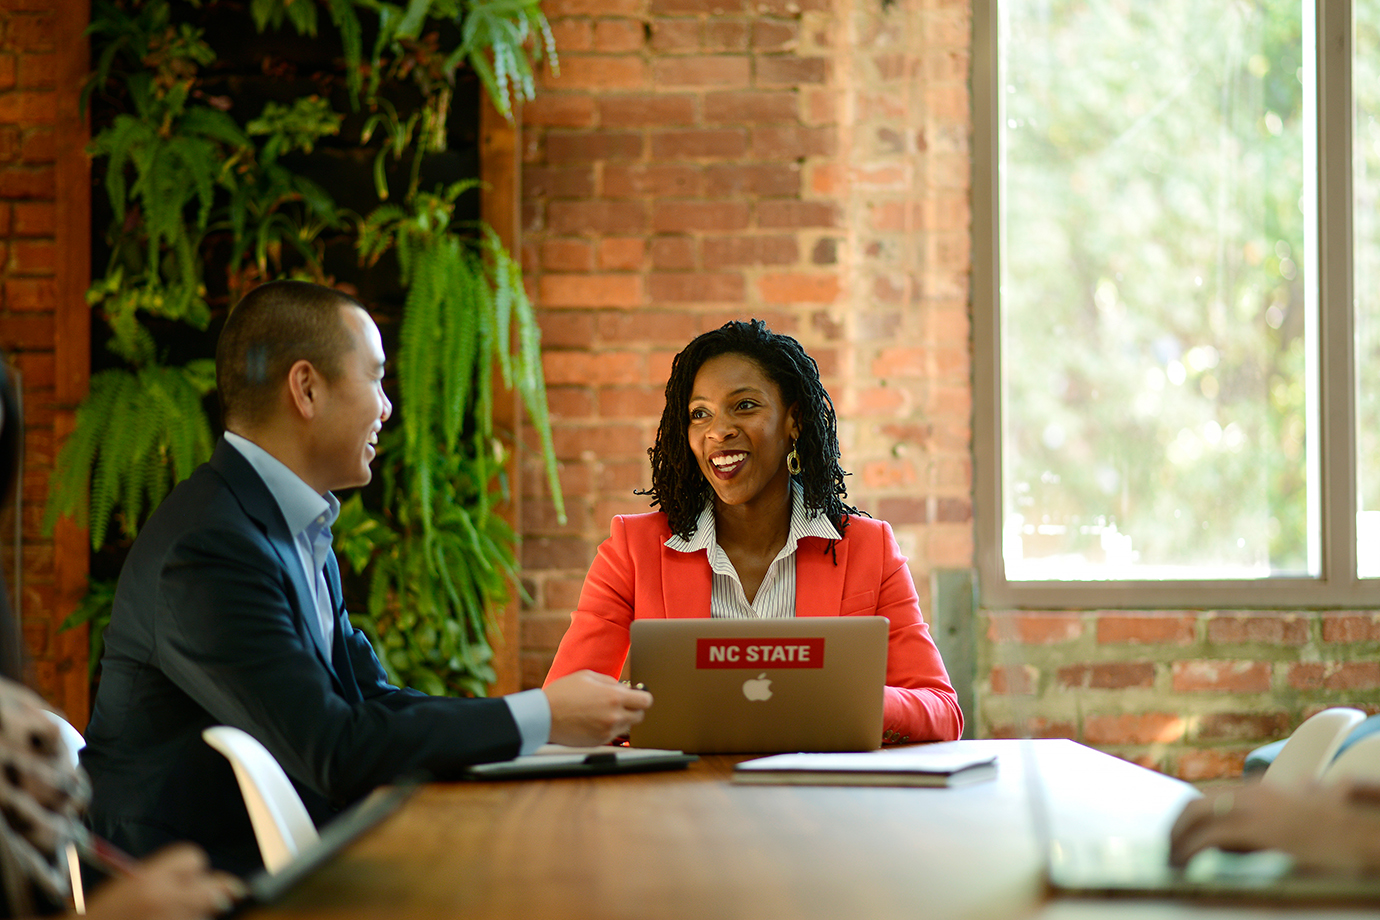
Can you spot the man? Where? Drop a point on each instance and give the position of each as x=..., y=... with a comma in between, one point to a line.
x=229, y=611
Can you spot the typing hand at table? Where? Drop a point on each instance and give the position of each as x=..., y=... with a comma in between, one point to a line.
x=176, y=883
x=1334, y=827
x=591, y=708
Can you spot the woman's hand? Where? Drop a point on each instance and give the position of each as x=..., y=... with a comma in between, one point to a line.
x=1333, y=827
x=176, y=883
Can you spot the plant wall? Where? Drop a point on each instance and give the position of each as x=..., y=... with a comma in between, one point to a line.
x=239, y=142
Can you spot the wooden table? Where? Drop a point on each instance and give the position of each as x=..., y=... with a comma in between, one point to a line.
x=690, y=844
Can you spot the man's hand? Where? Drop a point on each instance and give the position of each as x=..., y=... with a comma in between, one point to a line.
x=1323, y=827
x=174, y=884
x=591, y=708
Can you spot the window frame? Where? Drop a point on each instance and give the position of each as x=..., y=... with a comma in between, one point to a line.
x=1336, y=585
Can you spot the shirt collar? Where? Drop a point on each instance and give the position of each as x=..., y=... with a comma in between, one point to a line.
x=802, y=525
x=300, y=504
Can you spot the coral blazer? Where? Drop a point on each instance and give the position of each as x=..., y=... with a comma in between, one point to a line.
x=636, y=576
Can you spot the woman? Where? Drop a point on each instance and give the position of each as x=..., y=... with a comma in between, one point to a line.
x=745, y=471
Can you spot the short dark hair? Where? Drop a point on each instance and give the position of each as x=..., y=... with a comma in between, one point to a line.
x=678, y=486
x=272, y=328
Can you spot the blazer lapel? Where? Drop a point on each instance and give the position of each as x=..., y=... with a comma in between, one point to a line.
x=818, y=582
x=686, y=581
x=340, y=650
x=259, y=503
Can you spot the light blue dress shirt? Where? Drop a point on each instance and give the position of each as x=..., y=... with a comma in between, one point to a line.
x=309, y=517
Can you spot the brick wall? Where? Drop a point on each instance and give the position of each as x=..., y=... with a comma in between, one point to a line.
x=801, y=161
x=44, y=270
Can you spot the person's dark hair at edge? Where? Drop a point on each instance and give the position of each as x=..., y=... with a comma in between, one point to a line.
x=678, y=486
x=12, y=656
x=272, y=327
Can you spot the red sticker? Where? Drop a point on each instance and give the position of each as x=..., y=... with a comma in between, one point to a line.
x=759, y=653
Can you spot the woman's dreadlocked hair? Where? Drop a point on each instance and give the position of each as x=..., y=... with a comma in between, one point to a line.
x=678, y=486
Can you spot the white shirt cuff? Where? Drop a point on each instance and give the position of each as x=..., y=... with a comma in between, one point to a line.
x=532, y=713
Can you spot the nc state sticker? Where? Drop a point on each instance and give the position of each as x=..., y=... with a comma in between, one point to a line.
x=759, y=653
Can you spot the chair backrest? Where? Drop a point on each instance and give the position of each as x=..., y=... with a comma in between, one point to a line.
x=1308, y=752
x=1360, y=761
x=281, y=823
x=74, y=742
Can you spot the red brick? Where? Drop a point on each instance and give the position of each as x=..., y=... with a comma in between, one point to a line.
x=1021, y=680
x=655, y=180
x=1149, y=629
x=698, y=287
x=614, y=35
x=604, y=440
x=11, y=140
x=597, y=217
x=1225, y=676
x=626, y=253
x=33, y=257
x=569, y=402
x=590, y=290
x=566, y=328
x=797, y=215
x=39, y=369
x=563, y=147
x=591, y=369
x=671, y=252
x=556, y=9
x=21, y=332
x=702, y=70
x=1266, y=628
x=27, y=182
x=776, y=35
x=625, y=476
x=789, y=70
x=725, y=34
x=646, y=110
x=725, y=180
x=791, y=143
x=798, y=288
x=632, y=402
x=1036, y=727
x=39, y=146
x=30, y=294
x=560, y=255
x=556, y=553
x=9, y=69
x=1034, y=628
x=1351, y=627
x=562, y=593
x=689, y=216
x=34, y=219
x=642, y=327
x=888, y=474
x=28, y=107
x=543, y=632
x=1134, y=728
x=1196, y=766
x=899, y=362
x=539, y=517
x=1108, y=675
x=572, y=35
x=900, y=511
x=598, y=72
x=716, y=143
x=1244, y=726
x=31, y=32
x=672, y=35
x=559, y=110
x=751, y=250
x=1350, y=675
x=557, y=182
x=1307, y=675
x=751, y=107
x=689, y=7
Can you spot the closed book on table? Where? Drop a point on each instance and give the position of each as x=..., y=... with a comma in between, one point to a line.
x=937, y=765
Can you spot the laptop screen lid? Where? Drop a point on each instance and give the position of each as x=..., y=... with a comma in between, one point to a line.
x=761, y=686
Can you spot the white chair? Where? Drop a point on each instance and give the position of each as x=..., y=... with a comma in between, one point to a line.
x=74, y=742
x=1360, y=761
x=281, y=823
x=1309, y=750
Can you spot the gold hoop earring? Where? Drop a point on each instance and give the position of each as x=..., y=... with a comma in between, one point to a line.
x=793, y=461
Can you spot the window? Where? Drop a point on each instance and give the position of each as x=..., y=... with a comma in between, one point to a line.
x=1167, y=409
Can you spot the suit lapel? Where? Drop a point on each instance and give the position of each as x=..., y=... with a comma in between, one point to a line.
x=340, y=650
x=818, y=582
x=259, y=503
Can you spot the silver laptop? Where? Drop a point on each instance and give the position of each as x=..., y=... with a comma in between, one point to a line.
x=761, y=686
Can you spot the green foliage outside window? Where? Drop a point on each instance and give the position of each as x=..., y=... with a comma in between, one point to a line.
x=192, y=182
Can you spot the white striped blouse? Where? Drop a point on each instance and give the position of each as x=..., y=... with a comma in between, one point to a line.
x=776, y=596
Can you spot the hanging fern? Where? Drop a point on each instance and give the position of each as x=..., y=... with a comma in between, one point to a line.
x=136, y=435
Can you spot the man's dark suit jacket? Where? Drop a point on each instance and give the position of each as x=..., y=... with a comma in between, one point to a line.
x=214, y=624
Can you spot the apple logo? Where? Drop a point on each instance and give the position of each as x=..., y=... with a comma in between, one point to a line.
x=759, y=688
